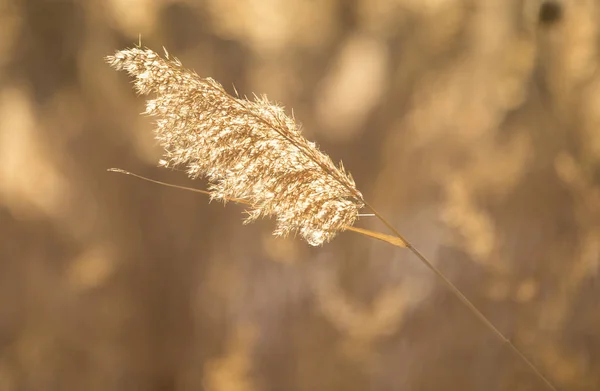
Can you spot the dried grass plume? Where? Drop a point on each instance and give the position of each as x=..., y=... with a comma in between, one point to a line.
x=247, y=149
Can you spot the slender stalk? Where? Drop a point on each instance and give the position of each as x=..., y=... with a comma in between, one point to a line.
x=125, y=172
x=457, y=292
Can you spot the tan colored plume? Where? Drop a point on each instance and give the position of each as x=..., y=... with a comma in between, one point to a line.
x=248, y=150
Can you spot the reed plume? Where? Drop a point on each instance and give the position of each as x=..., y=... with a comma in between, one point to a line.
x=252, y=153
x=247, y=149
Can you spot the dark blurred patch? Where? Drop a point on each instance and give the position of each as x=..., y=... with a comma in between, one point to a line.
x=551, y=12
x=189, y=29
x=183, y=26
x=49, y=43
x=348, y=16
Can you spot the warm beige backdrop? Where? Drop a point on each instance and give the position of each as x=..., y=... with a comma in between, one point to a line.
x=471, y=126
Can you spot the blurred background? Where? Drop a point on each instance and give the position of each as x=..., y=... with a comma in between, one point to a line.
x=473, y=125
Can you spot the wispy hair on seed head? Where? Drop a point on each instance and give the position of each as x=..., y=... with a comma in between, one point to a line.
x=247, y=149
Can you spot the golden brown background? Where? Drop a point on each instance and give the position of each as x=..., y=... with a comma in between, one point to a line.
x=472, y=125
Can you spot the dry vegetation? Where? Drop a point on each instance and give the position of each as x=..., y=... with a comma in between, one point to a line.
x=470, y=124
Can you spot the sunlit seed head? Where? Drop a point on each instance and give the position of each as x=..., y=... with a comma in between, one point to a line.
x=246, y=149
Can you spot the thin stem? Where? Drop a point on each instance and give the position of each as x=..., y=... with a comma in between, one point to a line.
x=125, y=172
x=457, y=292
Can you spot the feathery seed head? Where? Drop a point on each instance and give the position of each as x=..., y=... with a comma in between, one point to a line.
x=247, y=149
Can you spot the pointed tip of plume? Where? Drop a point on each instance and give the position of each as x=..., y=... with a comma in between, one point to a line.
x=247, y=149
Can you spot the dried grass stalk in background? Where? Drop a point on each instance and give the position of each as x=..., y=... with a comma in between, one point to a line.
x=247, y=149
